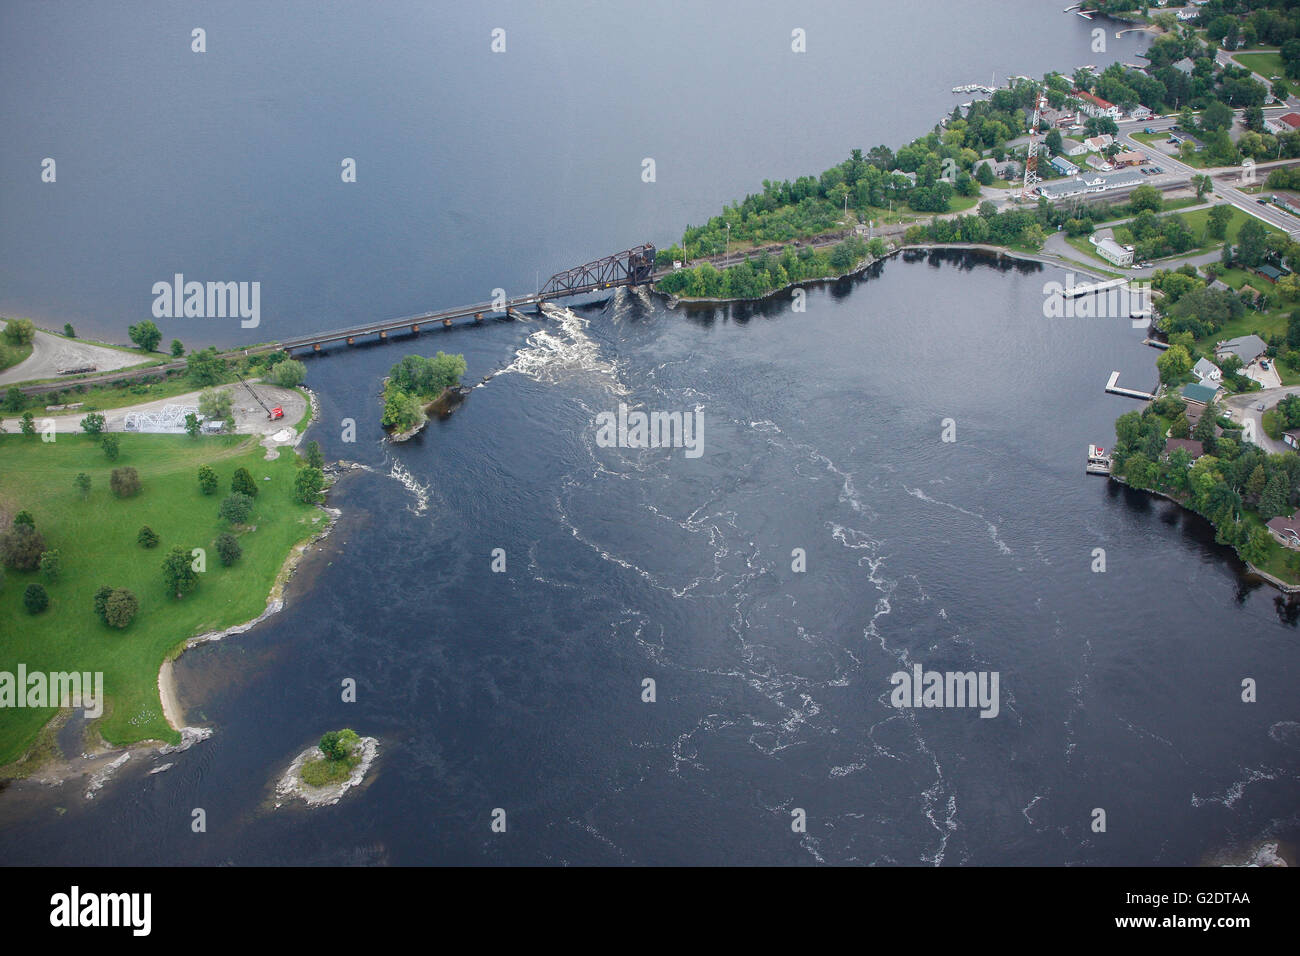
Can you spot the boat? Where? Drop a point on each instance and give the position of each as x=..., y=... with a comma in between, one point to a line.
x=1099, y=463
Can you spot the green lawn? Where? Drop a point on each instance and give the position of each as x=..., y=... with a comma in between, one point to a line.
x=1266, y=65
x=102, y=397
x=11, y=355
x=97, y=539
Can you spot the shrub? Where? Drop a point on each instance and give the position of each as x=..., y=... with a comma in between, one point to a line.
x=147, y=538
x=207, y=480
x=179, y=575
x=83, y=484
x=112, y=447
x=338, y=744
x=93, y=424
x=307, y=485
x=21, y=548
x=228, y=548
x=51, y=565
x=242, y=483
x=35, y=599
x=314, y=457
x=101, y=602
x=287, y=373
x=120, y=608
x=19, y=332
x=235, y=508
x=25, y=517
x=125, y=482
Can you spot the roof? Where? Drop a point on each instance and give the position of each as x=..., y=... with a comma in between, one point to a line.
x=1114, y=248
x=1100, y=141
x=1204, y=367
x=1184, y=65
x=1246, y=347
x=1286, y=527
x=1131, y=156
x=1189, y=445
x=1090, y=98
x=1291, y=119
x=1269, y=271
x=1201, y=394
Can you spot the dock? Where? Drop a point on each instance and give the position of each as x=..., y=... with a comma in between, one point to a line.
x=1126, y=392
x=1074, y=291
x=1099, y=463
x=1156, y=344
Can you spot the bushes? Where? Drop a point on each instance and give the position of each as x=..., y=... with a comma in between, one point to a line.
x=147, y=538
x=308, y=484
x=207, y=480
x=116, y=607
x=111, y=446
x=179, y=575
x=242, y=483
x=51, y=565
x=21, y=547
x=287, y=373
x=125, y=482
x=35, y=599
x=228, y=549
x=18, y=332
x=235, y=508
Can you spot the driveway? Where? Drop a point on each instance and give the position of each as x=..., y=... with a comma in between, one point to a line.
x=53, y=352
x=1243, y=409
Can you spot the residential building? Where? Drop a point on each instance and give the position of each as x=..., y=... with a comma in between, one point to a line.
x=1207, y=371
x=1072, y=147
x=1292, y=437
x=1064, y=166
x=1185, y=65
x=1130, y=158
x=1287, y=123
x=1099, y=163
x=1098, y=143
x=1141, y=113
x=1189, y=445
x=1200, y=394
x=1245, y=347
x=1095, y=105
x=1112, y=251
x=1286, y=531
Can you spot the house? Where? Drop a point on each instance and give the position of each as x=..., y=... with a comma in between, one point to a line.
x=1270, y=272
x=1090, y=182
x=1064, y=166
x=1183, y=16
x=1200, y=394
x=1130, y=158
x=1286, y=531
x=1098, y=143
x=1189, y=445
x=1112, y=251
x=1095, y=105
x=1218, y=285
x=910, y=177
x=1292, y=437
x=1098, y=163
x=1141, y=113
x=1245, y=347
x=1072, y=147
x=1287, y=123
x=1251, y=295
x=1206, y=370
x=1185, y=65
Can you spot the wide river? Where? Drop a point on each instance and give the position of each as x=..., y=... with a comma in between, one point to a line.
x=823, y=430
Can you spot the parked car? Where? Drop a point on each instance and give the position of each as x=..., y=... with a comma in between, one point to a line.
x=1148, y=130
x=1262, y=202
x=1264, y=364
x=1259, y=406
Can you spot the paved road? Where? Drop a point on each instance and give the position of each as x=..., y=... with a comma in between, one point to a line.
x=53, y=352
x=1243, y=409
x=250, y=418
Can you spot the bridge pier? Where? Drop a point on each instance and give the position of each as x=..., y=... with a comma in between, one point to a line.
x=446, y=323
x=315, y=347
x=351, y=341
x=415, y=328
x=383, y=333
x=478, y=316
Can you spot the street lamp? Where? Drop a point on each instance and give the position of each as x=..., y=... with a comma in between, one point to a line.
x=727, y=248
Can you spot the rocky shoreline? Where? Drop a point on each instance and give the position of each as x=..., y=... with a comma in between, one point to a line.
x=291, y=786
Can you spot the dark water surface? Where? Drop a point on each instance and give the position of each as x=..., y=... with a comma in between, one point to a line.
x=822, y=431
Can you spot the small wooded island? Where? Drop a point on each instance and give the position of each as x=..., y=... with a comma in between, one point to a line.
x=321, y=774
x=418, y=387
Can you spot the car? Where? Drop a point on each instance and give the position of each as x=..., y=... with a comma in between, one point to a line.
x=1148, y=130
x=1262, y=202
x=1157, y=169
x=1264, y=364
x=1259, y=406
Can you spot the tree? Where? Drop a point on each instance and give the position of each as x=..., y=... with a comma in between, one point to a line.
x=235, y=508
x=21, y=548
x=145, y=334
x=147, y=537
x=307, y=485
x=101, y=602
x=242, y=482
x=338, y=744
x=1272, y=500
x=228, y=549
x=1146, y=197
x=984, y=175
x=35, y=599
x=1203, y=185
x=15, y=401
x=1251, y=239
x=314, y=457
x=51, y=566
x=112, y=447
x=27, y=424
x=205, y=367
x=83, y=484
x=24, y=517
x=1216, y=116
x=207, y=480
x=125, y=482
x=69, y=331
x=93, y=424
x=402, y=410
x=18, y=332
x=287, y=373
x=216, y=404
x=192, y=425
x=178, y=348
x=1173, y=364
x=120, y=608
x=1219, y=217
x=179, y=575
x=1255, y=547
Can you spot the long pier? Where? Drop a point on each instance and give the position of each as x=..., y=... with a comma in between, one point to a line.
x=1126, y=392
x=1074, y=291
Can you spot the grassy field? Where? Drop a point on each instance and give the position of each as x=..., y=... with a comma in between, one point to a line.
x=103, y=397
x=1267, y=65
x=97, y=539
x=11, y=355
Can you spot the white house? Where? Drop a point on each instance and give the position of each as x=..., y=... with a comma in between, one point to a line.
x=1287, y=123
x=1095, y=105
x=1073, y=148
x=1098, y=143
x=1112, y=251
x=1207, y=371
x=1141, y=113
